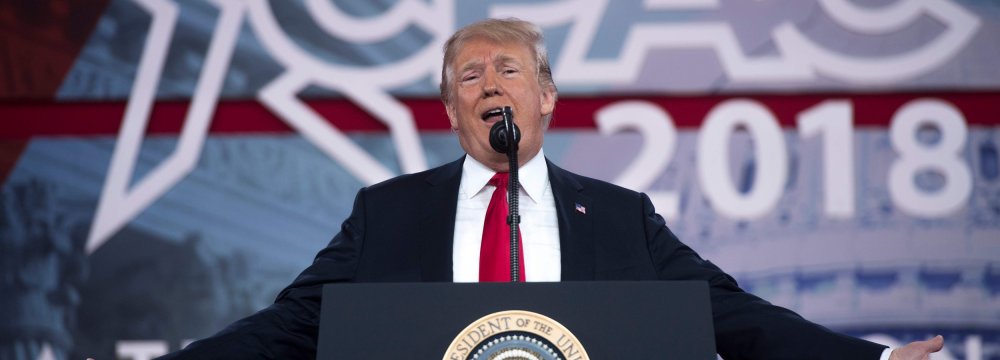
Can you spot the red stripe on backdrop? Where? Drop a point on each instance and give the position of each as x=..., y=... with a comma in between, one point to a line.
x=22, y=120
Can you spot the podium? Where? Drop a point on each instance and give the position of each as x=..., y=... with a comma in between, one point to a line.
x=565, y=320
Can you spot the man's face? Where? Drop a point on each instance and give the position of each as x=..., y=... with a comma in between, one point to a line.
x=488, y=76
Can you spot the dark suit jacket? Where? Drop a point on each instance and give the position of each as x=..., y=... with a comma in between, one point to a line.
x=401, y=230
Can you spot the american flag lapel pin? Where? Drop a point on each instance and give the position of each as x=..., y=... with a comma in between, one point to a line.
x=581, y=209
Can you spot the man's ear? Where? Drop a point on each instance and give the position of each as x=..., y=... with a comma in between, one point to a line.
x=548, y=100
x=451, y=116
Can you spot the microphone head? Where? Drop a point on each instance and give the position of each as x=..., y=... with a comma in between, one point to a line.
x=498, y=133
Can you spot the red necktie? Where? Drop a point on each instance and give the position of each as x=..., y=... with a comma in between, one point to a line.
x=494, y=255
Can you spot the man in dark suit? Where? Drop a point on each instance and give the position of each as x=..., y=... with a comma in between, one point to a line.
x=429, y=226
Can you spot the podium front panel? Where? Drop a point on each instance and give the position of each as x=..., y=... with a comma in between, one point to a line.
x=600, y=320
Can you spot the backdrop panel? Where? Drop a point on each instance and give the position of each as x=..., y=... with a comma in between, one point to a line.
x=169, y=166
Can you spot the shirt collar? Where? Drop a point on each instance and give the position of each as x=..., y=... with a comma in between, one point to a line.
x=533, y=176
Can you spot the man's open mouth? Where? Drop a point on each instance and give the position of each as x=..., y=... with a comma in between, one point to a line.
x=493, y=115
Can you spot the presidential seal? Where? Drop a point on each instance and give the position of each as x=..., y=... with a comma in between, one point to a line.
x=515, y=335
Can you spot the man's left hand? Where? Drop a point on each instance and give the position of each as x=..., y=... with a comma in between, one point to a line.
x=918, y=350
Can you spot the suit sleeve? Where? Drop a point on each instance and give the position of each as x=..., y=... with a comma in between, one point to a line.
x=288, y=329
x=746, y=326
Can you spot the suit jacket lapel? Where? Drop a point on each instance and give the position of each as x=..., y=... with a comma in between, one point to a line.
x=576, y=239
x=437, y=223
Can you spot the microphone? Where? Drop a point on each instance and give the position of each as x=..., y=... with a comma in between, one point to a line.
x=502, y=143
x=499, y=131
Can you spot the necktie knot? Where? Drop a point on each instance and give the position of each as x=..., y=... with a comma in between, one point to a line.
x=500, y=180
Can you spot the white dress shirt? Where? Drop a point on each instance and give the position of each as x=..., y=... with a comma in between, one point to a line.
x=885, y=354
x=539, y=223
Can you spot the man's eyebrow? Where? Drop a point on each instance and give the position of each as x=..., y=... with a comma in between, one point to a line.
x=471, y=65
x=506, y=59
x=500, y=60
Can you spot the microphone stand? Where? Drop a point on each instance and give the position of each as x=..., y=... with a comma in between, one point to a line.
x=513, y=192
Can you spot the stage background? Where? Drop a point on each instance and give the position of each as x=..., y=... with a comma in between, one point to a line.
x=169, y=166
